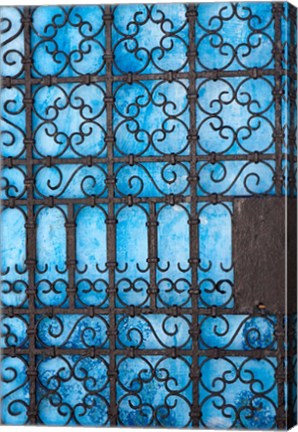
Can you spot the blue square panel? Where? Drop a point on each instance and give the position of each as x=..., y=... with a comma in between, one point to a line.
x=151, y=118
x=148, y=172
x=236, y=115
x=154, y=391
x=150, y=38
x=252, y=405
x=233, y=36
x=69, y=120
x=73, y=390
x=67, y=41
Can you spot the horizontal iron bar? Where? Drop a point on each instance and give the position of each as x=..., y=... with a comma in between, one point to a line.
x=168, y=158
x=213, y=198
x=136, y=311
x=212, y=352
x=208, y=74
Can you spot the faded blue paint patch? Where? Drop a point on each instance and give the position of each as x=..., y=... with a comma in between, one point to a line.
x=152, y=179
x=232, y=37
x=13, y=122
x=151, y=118
x=236, y=115
x=51, y=271
x=215, y=272
x=69, y=120
x=153, y=331
x=236, y=178
x=13, y=255
x=72, y=331
x=91, y=272
x=68, y=41
x=162, y=384
x=81, y=378
x=233, y=384
x=145, y=43
x=173, y=271
x=70, y=181
x=237, y=332
x=12, y=42
x=132, y=274
x=14, y=390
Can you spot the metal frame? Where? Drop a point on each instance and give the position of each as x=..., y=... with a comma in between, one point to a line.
x=282, y=417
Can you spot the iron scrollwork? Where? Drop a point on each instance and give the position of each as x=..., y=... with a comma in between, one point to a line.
x=127, y=134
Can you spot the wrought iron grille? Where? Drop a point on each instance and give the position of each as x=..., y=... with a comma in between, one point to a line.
x=133, y=138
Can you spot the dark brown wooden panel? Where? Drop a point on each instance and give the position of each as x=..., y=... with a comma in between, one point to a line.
x=259, y=253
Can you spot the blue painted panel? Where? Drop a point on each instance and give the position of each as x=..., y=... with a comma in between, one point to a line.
x=232, y=37
x=13, y=182
x=151, y=118
x=91, y=254
x=70, y=181
x=14, y=390
x=14, y=332
x=68, y=41
x=149, y=39
x=237, y=332
x=81, y=378
x=14, y=281
x=69, y=120
x=173, y=271
x=236, y=178
x=72, y=331
x=236, y=382
x=132, y=272
x=215, y=272
x=162, y=384
x=152, y=179
x=12, y=41
x=236, y=115
x=13, y=122
x=51, y=274
x=153, y=331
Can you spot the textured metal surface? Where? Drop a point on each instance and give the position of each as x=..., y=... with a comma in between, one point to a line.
x=247, y=186
x=259, y=253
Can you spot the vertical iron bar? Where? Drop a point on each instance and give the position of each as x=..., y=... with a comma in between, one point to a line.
x=277, y=9
x=152, y=258
x=193, y=226
x=111, y=220
x=30, y=223
x=71, y=255
x=292, y=97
